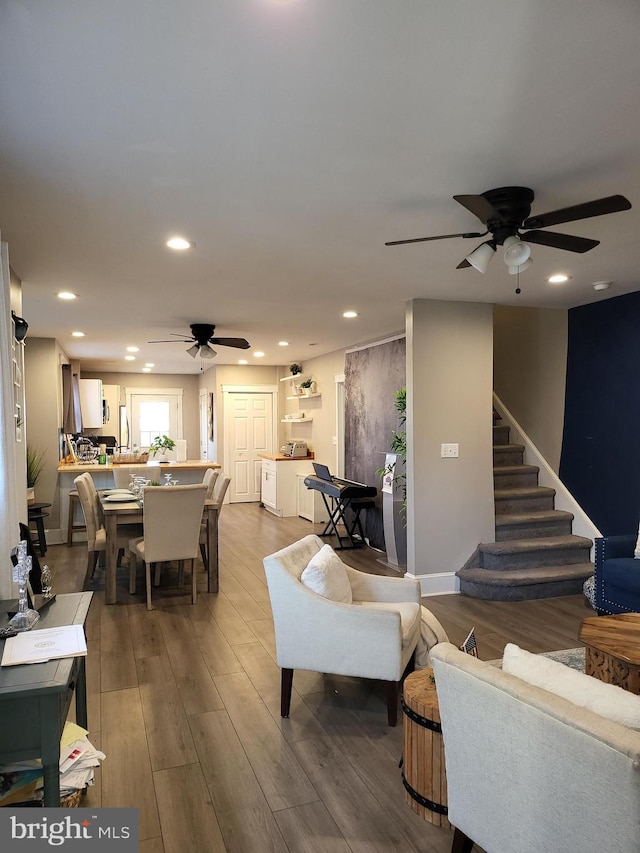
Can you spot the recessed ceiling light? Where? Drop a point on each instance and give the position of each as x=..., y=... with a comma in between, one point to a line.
x=558, y=278
x=350, y=314
x=149, y=364
x=258, y=354
x=180, y=244
x=77, y=334
x=146, y=370
x=601, y=285
x=66, y=294
x=133, y=349
x=283, y=343
x=129, y=358
x=243, y=361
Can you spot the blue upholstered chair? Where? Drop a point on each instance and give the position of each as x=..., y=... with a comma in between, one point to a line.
x=617, y=575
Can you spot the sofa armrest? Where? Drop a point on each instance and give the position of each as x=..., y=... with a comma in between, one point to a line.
x=609, y=547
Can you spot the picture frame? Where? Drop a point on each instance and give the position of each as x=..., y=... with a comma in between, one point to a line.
x=210, y=409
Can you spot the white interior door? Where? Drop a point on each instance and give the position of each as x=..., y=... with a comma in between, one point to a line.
x=154, y=412
x=248, y=420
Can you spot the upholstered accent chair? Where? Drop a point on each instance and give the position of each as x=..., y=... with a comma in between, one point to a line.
x=527, y=769
x=172, y=517
x=617, y=575
x=374, y=636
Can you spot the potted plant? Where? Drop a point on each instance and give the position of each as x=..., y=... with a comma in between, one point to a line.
x=294, y=369
x=159, y=447
x=394, y=488
x=308, y=386
x=35, y=464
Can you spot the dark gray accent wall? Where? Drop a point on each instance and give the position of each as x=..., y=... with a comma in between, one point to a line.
x=372, y=378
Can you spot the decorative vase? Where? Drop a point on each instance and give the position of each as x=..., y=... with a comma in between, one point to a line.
x=31, y=495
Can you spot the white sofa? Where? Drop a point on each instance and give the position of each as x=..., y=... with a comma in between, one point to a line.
x=529, y=771
x=374, y=637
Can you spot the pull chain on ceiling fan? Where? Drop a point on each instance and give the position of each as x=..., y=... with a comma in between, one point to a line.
x=505, y=212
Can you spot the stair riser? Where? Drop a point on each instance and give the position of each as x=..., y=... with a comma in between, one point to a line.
x=533, y=559
x=501, y=435
x=535, y=530
x=491, y=592
x=507, y=457
x=530, y=504
x=512, y=481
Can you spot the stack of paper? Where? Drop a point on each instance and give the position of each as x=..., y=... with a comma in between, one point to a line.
x=20, y=782
x=78, y=759
x=45, y=644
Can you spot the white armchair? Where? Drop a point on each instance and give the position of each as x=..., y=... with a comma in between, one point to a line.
x=528, y=770
x=374, y=637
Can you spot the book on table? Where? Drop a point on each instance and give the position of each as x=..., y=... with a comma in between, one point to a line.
x=45, y=644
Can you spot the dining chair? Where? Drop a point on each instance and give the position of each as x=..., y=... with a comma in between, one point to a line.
x=217, y=496
x=209, y=479
x=172, y=517
x=122, y=476
x=96, y=533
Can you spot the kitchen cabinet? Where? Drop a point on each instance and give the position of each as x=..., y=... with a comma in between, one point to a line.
x=279, y=486
x=310, y=503
x=91, y=403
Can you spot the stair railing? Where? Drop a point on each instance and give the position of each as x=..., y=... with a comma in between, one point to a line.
x=582, y=524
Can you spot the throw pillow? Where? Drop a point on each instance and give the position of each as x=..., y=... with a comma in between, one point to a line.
x=326, y=575
x=607, y=700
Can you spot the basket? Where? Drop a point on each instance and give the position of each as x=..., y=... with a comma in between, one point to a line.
x=129, y=458
x=73, y=800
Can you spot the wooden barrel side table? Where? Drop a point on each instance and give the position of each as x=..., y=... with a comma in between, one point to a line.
x=423, y=775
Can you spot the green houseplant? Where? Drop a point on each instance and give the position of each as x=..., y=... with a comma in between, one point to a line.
x=35, y=464
x=160, y=445
x=295, y=369
x=399, y=445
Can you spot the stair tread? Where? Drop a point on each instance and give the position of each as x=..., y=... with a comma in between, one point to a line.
x=541, y=515
x=523, y=492
x=508, y=448
x=548, y=543
x=522, y=577
x=516, y=469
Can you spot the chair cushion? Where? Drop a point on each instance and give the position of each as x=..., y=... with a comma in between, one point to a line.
x=326, y=575
x=608, y=700
x=623, y=572
x=410, y=615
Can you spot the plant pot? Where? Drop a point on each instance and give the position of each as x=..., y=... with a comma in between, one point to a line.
x=31, y=495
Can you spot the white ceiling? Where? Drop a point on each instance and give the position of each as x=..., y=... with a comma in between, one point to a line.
x=289, y=141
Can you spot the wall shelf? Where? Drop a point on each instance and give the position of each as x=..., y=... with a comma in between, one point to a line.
x=298, y=377
x=305, y=396
x=296, y=420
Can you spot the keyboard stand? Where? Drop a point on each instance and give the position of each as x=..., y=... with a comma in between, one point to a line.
x=337, y=516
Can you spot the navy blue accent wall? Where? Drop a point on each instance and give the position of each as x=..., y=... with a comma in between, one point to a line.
x=600, y=462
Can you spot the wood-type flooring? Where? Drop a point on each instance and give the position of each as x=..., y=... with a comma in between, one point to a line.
x=184, y=700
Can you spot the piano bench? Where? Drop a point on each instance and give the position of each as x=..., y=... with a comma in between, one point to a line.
x=362, y=503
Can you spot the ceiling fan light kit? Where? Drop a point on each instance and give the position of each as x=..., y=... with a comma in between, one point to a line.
x=505, y=212
x=514, y=269
x=480, y=258
x=201, y=338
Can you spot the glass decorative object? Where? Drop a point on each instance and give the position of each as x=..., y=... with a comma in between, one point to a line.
x=46, y=579
x=25, y=618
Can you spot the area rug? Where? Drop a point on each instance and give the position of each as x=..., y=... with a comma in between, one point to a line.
x=573, y=658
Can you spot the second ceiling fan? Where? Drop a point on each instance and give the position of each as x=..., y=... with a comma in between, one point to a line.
x=506, y=214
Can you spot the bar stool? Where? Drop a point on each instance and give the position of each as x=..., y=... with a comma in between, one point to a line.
x=36, y=515
x=74, y=500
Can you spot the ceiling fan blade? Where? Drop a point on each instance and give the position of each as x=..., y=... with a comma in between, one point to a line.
x=599, y=207
x=463, y=264
x=239, y=343
x=480, y=207
x=440, y=237
x=560, y=241
x=182, y=341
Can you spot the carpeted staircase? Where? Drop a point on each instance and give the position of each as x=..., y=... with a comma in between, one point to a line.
x=535, y=555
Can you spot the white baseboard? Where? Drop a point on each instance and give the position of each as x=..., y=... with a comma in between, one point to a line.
x=442, y=583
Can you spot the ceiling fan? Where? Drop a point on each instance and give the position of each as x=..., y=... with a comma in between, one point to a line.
x=201, y=337
x=506, y=211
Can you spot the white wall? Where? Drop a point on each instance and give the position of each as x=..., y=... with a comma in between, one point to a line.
x=530, y=370
x=449, y=400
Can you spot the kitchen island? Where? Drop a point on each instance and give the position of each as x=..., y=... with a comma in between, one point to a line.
x=184, y=472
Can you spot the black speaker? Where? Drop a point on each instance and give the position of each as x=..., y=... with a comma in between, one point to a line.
x=20, y=325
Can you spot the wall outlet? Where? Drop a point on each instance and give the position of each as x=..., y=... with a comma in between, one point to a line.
x=449, y=451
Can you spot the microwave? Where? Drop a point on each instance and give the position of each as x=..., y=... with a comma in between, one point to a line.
x=295, y=449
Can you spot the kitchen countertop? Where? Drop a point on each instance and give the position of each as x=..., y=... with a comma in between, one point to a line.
x=79, y=467
x=278, y=457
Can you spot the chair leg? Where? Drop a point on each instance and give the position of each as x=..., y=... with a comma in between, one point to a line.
x=194, y=582
x=92, y=562
x=203, y=554
x=393, y=691
x=285, y=691
x=147, y=571
x=461, y=842
x=156, y=581
x=133, y=568
x=180, y=574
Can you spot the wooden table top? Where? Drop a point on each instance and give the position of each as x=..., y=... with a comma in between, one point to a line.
x=618, y=636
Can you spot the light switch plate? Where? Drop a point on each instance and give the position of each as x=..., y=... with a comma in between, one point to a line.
x=449, y=451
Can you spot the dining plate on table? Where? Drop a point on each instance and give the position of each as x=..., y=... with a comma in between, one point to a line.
x=121, y=497
x=117, y=492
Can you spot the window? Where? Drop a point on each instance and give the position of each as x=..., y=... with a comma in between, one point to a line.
x=154, y=411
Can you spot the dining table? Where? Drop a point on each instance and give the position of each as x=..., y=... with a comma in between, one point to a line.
x=131, y=511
